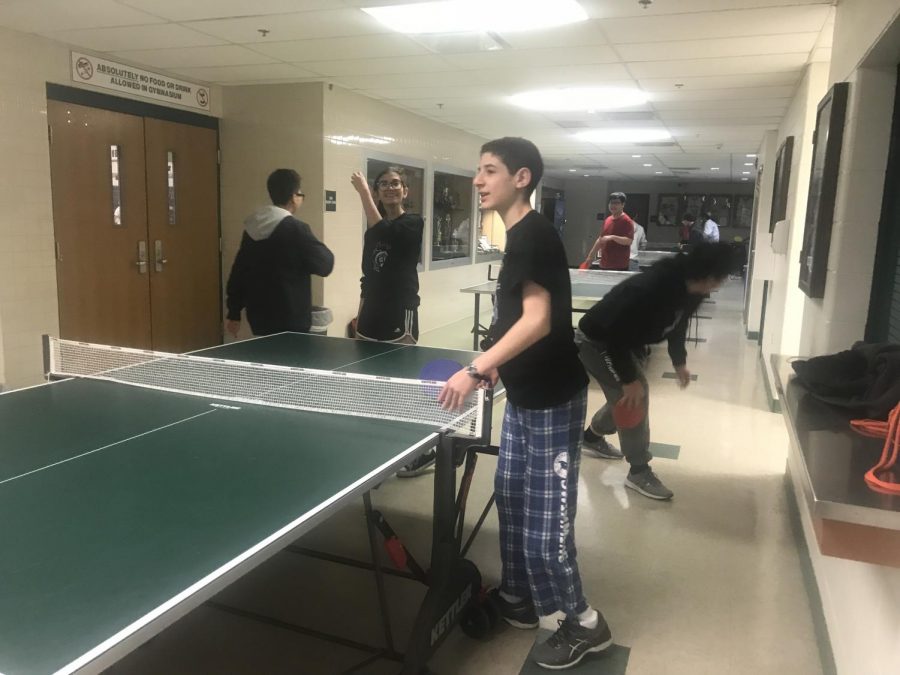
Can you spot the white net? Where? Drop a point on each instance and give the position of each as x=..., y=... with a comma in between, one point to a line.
x=333, y=392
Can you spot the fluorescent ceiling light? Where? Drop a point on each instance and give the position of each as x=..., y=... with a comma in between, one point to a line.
x=750, y=155
x=659, y=172
x=356, y=140
x=616, y=135
x=636, y=156
x=713, y=168
x=573, y=170
x=648, y=165
x=587, y=175
x=746, y=173
x=586, y=99
x=748, y=163
x=464, y=16
x=745, y=179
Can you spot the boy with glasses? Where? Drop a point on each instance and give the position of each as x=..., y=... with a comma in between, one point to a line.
x=270, y=277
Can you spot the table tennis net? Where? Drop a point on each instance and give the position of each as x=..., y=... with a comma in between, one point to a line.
x=325, y=391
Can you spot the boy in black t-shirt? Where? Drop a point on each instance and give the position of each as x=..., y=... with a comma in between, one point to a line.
x=536, y=484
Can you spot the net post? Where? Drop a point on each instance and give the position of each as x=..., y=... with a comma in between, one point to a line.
x=45, y=347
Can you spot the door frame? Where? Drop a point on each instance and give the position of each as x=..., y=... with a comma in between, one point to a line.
x=93, y=99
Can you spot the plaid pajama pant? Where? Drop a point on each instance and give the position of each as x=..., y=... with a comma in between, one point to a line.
x=536, y=487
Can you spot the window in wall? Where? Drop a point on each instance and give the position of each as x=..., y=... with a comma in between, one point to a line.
x=492, y=237
x=414, y=177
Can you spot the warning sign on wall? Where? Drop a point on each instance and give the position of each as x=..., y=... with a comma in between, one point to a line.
x=119, y=77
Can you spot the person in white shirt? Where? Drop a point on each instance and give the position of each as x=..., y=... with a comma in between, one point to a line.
x=710, y=229
x=638, y=243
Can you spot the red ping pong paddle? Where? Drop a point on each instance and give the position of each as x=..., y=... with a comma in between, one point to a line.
x=628, y=417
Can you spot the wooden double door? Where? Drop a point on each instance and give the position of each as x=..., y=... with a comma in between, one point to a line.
x=135, y=211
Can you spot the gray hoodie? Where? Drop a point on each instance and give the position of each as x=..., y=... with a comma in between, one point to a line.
x=260, y=223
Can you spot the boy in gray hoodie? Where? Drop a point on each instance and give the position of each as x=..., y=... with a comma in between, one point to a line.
x=270, y=276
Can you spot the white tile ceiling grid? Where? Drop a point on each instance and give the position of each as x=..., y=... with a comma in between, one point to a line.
x=719, y=73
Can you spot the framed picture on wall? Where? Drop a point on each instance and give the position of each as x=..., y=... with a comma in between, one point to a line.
x=719, y=207
x=692, y=204
x=782, y=182
x=826, y=159
x=743, y=211
x=667, y=210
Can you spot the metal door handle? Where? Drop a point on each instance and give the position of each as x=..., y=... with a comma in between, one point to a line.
x=159, y=260
x=142, y=257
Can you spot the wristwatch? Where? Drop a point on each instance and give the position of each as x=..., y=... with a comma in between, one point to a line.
x=472, y=372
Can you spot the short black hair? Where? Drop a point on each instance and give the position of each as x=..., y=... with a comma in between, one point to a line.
x=283, y=184
x=518, y=153
x=689, y=217
x=617, y=196
x=708, y=259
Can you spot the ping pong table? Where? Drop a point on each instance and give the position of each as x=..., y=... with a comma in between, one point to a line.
x=124, y=507
x=588, y=286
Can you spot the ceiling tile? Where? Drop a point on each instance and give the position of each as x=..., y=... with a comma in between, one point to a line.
x=179, y=10
x=247, y=74
x=630, y=8
x=734, y=65
x=332, y=49
x=800, y=43
x=688, y=84
x=741, y=93
x=717, y=24
x=158, y=36
x=424, y=63
x=194, y=57
x=526, y=58
x=296, y=26
x=41, y=16
x=573, y=35
x=727, y=104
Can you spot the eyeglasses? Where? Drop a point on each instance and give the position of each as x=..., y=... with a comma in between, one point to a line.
x=385, y=184
x=299, y=194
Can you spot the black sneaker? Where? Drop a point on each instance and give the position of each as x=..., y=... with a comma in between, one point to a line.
x=569, y=644
x=600, y=448
x=418, y=466
x=518, y=614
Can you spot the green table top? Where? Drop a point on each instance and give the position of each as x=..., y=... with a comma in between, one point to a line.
x=123, y=508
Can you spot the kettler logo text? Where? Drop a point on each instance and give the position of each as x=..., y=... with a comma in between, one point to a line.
x=449, y=617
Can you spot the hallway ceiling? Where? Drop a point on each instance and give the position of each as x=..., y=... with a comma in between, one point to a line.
x=719, y=73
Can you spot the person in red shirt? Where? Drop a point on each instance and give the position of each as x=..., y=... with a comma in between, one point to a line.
x=614, y=242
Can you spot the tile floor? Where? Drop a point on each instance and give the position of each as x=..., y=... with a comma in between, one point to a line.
x=710, y=583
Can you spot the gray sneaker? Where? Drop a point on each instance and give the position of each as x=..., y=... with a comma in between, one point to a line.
x=647, y=483
x=571, y=643
x=600, y=448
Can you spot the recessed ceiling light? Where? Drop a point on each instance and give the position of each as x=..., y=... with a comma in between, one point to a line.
x=636, y=156
x=713, y=168
x=648, y=165
x=579, y=99
x=746, y=173
x=466, y=16
x=623, y=135
x=750, y=155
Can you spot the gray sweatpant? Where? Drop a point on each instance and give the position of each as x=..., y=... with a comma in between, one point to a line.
x=635, y=442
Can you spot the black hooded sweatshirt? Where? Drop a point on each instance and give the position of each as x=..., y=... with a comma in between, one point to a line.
x=644, y=309
x=271, y=272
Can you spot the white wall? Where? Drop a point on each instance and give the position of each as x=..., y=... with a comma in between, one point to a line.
x=786, y=303
x=763, y=257
x=585, y=198
x=858, y=25
x=415, y=138
x=28, y=300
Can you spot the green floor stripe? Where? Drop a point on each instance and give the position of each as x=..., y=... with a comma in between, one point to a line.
x=665, y=450
x=674, y=376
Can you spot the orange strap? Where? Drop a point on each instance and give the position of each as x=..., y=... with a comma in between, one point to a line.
x=881, y=477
